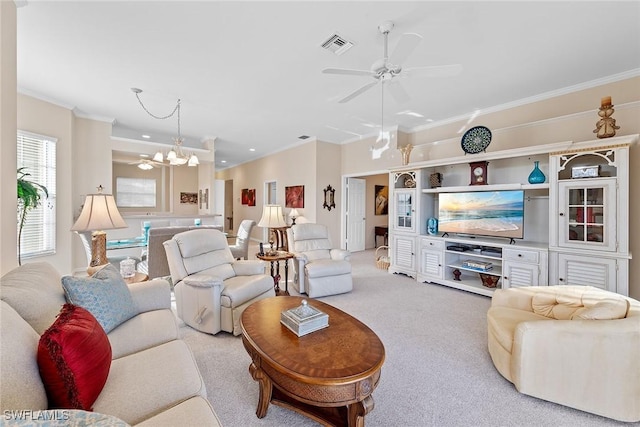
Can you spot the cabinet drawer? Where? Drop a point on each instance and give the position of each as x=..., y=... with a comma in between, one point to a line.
x=432, y=244
x=521, y=255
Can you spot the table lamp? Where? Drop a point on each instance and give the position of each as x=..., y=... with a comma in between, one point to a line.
x=272, y=217
x=293, y=214
x=99, y=213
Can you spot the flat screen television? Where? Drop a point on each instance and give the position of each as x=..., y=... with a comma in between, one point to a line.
x=482, y=213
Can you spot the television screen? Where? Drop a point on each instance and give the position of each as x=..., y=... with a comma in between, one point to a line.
x=483, y=213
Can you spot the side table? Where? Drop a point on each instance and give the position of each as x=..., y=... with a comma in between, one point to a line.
x=275, y=259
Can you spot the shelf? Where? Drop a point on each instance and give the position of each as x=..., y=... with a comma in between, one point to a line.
x=475, y=254
x=491, y=187
x=495, y=271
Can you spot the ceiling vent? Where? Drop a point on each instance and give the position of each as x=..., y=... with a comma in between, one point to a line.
x=337, y=44
x=304, y=137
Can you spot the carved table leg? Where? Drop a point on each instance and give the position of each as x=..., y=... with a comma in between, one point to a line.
x=357, y=411
x=266, y=387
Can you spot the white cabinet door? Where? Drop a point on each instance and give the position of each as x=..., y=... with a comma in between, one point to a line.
x=587, y=214
x=403, y=258
x=404, y=210
x=587, y=271
x=518, y=274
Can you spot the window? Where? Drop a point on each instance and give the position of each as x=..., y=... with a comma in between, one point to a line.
x=37, y=154
x=135, y=192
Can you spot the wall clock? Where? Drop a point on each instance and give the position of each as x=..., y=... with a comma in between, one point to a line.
x=476, y=139
x=478, y=173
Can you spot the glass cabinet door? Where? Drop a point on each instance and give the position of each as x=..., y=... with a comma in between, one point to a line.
x=586, y=213
x=404, y=210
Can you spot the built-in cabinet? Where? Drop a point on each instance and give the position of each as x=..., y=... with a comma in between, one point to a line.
x=589, y=215
x=576, y=223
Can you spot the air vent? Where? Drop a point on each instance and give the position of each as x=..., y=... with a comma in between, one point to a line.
x=337, y=44
x=304, y=137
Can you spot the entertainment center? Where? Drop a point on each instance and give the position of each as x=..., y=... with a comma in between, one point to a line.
x=572, y=229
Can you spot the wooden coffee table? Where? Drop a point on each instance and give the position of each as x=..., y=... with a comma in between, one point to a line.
x=327, y=375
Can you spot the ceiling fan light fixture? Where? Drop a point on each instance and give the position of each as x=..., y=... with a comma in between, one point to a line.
x=145, y=166
x=193, y=160
x=175, y=156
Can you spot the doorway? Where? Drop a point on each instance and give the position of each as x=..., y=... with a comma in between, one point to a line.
x=228, y=205
x=356, y=214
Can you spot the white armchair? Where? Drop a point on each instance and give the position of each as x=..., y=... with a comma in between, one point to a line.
x=241, y=248
x=319, y=269
x=212, y=289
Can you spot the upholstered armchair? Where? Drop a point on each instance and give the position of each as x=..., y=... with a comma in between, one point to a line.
x=578, y=346
x=240, y=249
x=212, y=289
x=319, y=269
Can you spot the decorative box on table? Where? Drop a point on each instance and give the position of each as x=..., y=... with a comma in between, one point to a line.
x=304, y=319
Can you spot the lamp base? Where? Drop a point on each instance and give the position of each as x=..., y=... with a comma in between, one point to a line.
x=98, y=252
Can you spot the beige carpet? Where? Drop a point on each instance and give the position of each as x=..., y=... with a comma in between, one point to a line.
x=437, y=370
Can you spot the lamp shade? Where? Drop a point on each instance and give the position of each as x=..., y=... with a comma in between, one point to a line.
x=293, y=213
x=272, y=217
x=99, y=213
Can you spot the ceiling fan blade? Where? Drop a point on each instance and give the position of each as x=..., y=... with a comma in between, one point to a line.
x=397, y=92
x=435, y=70
x=358, y=92
x=407, y=44
x=347, y=71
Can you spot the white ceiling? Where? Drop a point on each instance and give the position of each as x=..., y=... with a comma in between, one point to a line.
x=249, y=73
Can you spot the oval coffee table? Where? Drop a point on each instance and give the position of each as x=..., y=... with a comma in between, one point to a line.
x=327, y=375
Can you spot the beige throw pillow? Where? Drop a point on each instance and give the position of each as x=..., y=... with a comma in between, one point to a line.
x=604, y=310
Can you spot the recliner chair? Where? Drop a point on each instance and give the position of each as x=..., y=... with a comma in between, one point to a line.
x=240, y=249
x=319, y=269
x=211, y=288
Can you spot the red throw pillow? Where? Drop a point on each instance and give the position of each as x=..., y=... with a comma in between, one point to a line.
x=74, y=358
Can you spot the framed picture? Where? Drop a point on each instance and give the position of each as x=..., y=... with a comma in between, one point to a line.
x=381, y=198
x=251, y=197
x=294, y=196
x=245, y=196
x=189, y=198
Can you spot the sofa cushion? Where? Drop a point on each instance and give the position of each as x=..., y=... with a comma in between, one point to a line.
x=74, y=356
x=34, y=291
x=609, y=309
x=21, y=386
x=557, y=305
x=328, y=267
x=143, y=331
x=196, y=411
x=144, y=384
x=105, y=295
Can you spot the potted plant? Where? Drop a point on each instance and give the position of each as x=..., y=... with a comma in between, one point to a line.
x=29, y=197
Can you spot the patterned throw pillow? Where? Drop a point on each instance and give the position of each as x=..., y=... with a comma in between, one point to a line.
x=74, y=358
x=105, y=295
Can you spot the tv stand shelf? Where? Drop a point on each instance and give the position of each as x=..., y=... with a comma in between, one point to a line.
x=520, y=264
x=491, y=187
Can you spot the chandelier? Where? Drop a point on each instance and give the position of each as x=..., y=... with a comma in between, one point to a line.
x=176, y=156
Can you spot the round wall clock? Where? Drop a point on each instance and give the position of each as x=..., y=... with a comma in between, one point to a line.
x=476, y=139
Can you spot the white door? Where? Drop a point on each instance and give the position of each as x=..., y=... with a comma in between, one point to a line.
x=356, y=214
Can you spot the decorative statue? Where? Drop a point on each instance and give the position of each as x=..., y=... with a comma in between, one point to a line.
x=606, y=126
x=406, y=152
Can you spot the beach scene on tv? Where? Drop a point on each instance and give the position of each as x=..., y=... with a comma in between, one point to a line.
x=485, y=213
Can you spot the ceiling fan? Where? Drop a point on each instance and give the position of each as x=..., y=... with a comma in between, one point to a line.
x=390, y=66
x=146, y=164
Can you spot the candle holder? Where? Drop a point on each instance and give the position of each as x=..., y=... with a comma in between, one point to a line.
x=606, y=126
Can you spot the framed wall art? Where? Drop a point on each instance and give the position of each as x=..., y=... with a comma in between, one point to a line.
x=294, y=196
x=245, y=196
x=189, y=198
x=382, y=199
x=329, y=198
x=251, y=197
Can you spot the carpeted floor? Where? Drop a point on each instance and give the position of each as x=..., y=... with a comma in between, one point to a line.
x=437, y=370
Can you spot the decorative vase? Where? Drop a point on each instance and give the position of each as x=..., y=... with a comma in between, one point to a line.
x=536, y=176
x=432, y=226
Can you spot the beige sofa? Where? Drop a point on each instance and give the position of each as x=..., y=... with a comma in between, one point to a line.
x=578, y=346
x=153, y=379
